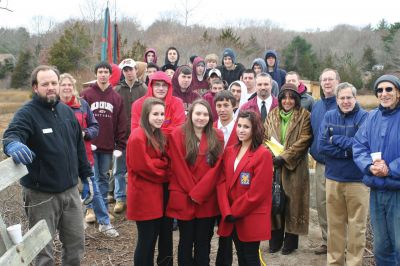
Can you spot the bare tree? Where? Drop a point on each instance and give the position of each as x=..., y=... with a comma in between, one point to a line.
x=187, y=9
x=5, y=6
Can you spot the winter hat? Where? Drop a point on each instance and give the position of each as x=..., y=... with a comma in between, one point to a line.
x=390, y=78
x=229, y=52
x=192, y=58
x=288, y=87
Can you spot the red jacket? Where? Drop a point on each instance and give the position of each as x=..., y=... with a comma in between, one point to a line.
x=146, y=175
x=246, y=194
x=233, y=139
x=174, y=110
x=252, y=105
x=190, y=184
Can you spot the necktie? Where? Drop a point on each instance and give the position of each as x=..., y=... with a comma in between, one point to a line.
x=263, y=111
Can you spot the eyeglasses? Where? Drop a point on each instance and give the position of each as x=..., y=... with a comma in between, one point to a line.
x=387, y=89
x=345, y=98
x=327, y=79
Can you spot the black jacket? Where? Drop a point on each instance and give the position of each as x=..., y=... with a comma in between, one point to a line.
x=54, y=135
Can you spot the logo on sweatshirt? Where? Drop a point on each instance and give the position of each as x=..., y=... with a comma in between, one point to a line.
x=102, y=105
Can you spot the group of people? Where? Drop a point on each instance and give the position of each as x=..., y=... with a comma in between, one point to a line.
x=193, y=145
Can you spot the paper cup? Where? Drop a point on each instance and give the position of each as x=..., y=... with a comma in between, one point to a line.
x=376, y=156
x=15, y=233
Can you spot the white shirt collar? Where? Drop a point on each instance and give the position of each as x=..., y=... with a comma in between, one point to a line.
x=227, y=130
x=268, y=103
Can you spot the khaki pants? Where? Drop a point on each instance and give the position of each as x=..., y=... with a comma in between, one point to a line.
x=320, y=195
x=347, y=210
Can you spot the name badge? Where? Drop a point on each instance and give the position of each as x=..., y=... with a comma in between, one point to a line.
x=47, y=130
x=245, y=178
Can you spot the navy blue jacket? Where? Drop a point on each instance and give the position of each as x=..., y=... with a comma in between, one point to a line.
x=379, y=133
x=53, y=133
x=335, y=140
x=317, y=115
x=278, y=74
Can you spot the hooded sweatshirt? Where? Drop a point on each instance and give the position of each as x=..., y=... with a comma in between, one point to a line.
x=188, y=96
x=199, y=86
x=174, y=110
x=154, y=52
x=108, y=109
x=277, y=74
x=177, y=59
x=260, y=62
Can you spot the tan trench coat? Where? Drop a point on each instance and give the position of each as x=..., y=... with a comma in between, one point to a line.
x=295, y=174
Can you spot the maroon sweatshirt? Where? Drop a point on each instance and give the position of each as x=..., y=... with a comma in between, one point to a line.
x=108, y=109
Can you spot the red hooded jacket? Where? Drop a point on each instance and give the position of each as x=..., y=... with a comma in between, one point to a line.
x=174, y=110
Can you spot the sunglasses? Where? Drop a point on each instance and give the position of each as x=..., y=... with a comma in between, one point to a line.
x=387, y=89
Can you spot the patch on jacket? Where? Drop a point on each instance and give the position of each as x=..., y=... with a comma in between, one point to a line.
x=245, y=178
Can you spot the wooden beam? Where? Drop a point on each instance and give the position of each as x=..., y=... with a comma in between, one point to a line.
x=10, y=172
x=32, y=243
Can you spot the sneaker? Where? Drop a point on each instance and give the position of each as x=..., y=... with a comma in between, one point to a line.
x=119, y=206
x=321, y=250
x=108, y=230
x=90, y=217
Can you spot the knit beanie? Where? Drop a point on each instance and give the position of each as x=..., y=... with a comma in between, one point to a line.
x=390, y=78
x=229, y=52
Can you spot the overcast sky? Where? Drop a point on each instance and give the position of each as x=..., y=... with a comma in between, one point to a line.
x=299, y=15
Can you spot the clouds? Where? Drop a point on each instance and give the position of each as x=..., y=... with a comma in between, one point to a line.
x=290, y=14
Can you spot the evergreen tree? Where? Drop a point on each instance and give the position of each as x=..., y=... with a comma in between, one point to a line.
x=349, y=70
x=298, y=56
x=368, y=59
x=71, y=51
x=22, y=71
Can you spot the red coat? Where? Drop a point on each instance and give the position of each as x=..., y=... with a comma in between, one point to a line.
x=190, y=184
x=246, y=194
x=146, y=175
x=252, y=105
x=233, y=139
x=174, y=110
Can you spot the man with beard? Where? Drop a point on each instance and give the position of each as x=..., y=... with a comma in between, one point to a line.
x=265, y=101
x=45, y=136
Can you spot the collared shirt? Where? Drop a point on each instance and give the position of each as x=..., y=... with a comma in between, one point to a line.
x=268, y=103
x=227, y=130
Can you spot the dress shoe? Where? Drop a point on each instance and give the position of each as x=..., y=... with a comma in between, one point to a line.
x=321, y=250
x=287, y=251
x=274, y=250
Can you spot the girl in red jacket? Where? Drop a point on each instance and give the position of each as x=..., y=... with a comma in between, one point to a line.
x=195, y=152
x=147, y=165
x=244, y=193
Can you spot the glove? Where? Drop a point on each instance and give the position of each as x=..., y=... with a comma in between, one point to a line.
x=87, y=191
x=278, y=161
x=20, y=152
x=117, y=153
x=230, y=219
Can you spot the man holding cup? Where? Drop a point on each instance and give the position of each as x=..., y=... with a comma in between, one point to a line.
x=380, y=134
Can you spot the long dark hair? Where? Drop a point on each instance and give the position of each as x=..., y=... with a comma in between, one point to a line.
x=257, y=128
x=155, y=138
x=191, y=140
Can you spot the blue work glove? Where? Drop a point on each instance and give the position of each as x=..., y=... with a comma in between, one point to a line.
x=87, y=191
x=20, y=152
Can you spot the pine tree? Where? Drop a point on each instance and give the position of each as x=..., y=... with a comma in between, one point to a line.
x=298, y=56
x=71, y=51
x=22, y=71
x=368, y=59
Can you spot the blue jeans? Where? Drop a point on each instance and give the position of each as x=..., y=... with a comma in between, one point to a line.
x=99, y=208
x=119, y=173
x=385, y=220
x=102, y=162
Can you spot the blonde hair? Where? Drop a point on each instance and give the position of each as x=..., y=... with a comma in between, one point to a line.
x=73, y=81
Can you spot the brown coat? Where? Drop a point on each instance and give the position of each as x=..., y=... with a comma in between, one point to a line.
x=295, y=173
